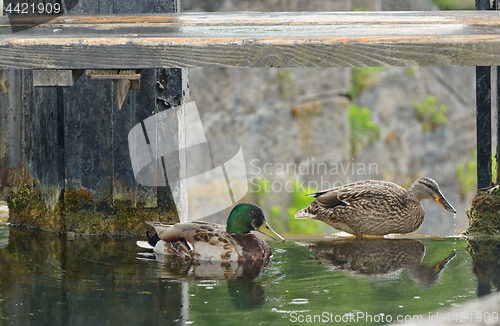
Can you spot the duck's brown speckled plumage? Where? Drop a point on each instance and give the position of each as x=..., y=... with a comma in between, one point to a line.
x=187, y=241
x=374, y=207
x=206, y=241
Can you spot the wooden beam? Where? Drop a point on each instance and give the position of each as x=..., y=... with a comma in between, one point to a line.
x=483, y=126
x=249, y=39
x=55, y=77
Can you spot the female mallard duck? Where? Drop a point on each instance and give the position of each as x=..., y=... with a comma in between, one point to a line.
x=213, y=242
x=374, y=207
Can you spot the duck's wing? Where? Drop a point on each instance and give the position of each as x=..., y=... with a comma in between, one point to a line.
x=199, y=240
x=363, y=190
x=197, y=230
x=328, y=198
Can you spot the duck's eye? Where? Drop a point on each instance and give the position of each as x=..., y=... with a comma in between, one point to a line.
x=252, y=213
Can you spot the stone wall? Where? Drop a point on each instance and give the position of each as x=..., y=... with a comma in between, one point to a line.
x=293, y=124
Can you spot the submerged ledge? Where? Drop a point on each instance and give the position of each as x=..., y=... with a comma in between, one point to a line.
x=4, y=212
x=473, y=312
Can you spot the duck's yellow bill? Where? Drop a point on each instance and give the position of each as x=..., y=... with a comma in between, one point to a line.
x=266, y=229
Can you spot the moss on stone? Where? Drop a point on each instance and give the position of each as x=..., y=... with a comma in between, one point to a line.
x=484, y=219
x=87, y=215
x=75, y=199
x=27, y=209
x=485, y=254
x=78, y=211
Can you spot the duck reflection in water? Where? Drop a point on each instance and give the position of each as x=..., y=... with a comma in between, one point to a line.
x=176, y=268
x=379, y=257
x=244, y=292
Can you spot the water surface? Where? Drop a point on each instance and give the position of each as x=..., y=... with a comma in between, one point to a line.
x=50, y=280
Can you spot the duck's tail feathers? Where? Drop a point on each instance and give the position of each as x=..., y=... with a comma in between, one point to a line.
x=302, y=214
x=317, y=194
x=152, y=240
x=151, y=243
x=144, y=244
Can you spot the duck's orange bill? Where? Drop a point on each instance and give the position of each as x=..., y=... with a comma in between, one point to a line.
x=444, y=203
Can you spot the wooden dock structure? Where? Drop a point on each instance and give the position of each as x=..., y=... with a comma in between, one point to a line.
x=74, y=151
x=249, y=39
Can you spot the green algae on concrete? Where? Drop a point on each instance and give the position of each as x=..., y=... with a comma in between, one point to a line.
x=484, y=244
x=485, y=254
x=78, y=211
x=27, y=209
x=484, y=219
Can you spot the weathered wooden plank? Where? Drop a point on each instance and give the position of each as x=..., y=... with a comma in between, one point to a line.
x=54, y=77
x=44, y=140
x=11, y=122
x=483, y=126
x=10, y=119
x=256, y=40
x=88, y=138
x=77, y=159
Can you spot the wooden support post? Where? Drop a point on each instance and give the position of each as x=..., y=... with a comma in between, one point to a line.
x=483, y=5
x=78, y=166
x=483, y=126
x=56, y=77
x=483, y=117
x=11, y=123
x=497, y=155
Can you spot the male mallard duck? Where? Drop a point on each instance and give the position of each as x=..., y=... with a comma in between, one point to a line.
x=213, y=242
x=374, y=207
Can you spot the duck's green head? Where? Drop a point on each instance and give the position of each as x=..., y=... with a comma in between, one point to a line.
x=246, y=217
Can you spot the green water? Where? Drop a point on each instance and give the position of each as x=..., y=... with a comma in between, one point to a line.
x=47, y=280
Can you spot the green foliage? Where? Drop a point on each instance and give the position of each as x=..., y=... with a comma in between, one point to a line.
x=362, y=77
x=454, y=4
x=300, y=201
x=430, y=114
x=283, y=220
x=285, y=79
x=411, y=71
x=363, y=130
x=20, y=198
x=467, y=175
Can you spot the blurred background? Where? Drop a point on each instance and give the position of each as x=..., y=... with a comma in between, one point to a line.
x=307, y=129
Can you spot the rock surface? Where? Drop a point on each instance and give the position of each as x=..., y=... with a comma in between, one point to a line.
x=4, y=212
x=481, y=311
